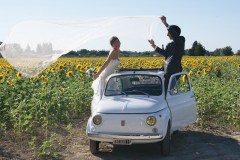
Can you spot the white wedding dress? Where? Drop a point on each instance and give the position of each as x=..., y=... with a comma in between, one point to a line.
x=99, y=84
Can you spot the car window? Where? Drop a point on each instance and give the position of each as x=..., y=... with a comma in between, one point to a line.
x=134, y=85
x=179, y=84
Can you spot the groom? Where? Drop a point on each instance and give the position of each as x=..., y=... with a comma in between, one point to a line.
x=173, y=52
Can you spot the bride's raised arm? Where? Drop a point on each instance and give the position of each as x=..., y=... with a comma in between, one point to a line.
x=113, y=54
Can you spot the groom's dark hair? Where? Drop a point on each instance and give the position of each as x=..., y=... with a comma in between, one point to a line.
x=113, y=39
x=176, y=29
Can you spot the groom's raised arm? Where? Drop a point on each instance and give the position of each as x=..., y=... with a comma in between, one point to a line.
x=159, y=50
x=156, y=48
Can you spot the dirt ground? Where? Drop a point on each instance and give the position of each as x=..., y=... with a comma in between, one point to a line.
x=193, y=142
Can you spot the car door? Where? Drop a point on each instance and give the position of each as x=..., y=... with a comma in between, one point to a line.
x=181, y=101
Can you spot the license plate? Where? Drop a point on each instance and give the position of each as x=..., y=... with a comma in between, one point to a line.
x=122, y=141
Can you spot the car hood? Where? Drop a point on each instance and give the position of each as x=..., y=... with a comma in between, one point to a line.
x=130, y=105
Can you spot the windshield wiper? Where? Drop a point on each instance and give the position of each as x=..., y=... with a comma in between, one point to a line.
x=138, y=91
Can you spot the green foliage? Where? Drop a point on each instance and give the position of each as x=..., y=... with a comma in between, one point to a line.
x=197, y=50
x=48, y=149
x=101, y=53
x=218, y=95
x=28, y=104
x=54, y=98
x=226, y=51
x=238, y=53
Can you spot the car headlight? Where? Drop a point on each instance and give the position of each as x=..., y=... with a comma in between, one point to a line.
x=151, y=120
x=97, y=119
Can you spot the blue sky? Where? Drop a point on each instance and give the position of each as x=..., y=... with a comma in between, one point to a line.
x=214, y=23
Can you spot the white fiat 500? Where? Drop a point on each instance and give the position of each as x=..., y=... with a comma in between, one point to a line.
x=134, y=109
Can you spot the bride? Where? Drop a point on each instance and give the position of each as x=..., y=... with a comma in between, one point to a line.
x=107, y=68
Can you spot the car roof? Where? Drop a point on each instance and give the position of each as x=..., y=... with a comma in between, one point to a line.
x=160, y=73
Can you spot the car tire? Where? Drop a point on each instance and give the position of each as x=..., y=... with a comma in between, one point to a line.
x=94, y=146
x=165, y=143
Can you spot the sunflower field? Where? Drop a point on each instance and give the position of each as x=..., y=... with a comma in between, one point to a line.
x=63, y=91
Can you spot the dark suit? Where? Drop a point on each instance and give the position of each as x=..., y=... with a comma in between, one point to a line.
x=173, y=55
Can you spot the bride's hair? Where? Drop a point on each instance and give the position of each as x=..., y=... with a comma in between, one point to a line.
x=113, y=39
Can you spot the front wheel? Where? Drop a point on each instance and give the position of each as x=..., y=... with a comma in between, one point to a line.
x=94, y=146
x=165, y=143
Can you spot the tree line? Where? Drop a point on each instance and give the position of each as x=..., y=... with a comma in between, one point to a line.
x=197, y=49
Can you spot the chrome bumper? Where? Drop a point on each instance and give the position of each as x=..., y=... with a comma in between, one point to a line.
x=131, y=137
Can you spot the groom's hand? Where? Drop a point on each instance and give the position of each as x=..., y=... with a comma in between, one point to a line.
x=164, y=20
x=152, y=43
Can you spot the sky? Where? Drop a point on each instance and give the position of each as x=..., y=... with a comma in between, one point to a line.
x=213, y=23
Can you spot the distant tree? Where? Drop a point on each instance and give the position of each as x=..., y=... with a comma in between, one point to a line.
x=82, y=52
x=227, y=51
x=17, y=48
x=92, y=53
x=197, y=49
x=102, y=53
x=191, y=50
x=39, y=48
x=200, y=50
x=125, y=53
x=186, y=52
x=217, y=52
x=0, y=50
x=238, y=53
x=28, y=48
x=71, y=54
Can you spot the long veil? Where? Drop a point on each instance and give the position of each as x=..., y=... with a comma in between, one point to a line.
x=33, y=45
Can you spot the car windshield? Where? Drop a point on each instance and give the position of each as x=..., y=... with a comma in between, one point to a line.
x=135, y=84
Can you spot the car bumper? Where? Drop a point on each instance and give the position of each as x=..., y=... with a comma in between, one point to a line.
x=133, y=138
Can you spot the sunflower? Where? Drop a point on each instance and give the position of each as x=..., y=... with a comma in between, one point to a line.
x=184, y=78
x=19, y=75
x=61, y=90
x=32, y=79
x=61, y=67
x=44, y=79
x=204, y=71
x=190, y=73
x=70, y=74
x=198, y=73
x=78, y=67
x=2, y=78
x=238, y=65
x=53, y=70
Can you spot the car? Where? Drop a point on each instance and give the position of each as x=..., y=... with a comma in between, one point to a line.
x=134, y=109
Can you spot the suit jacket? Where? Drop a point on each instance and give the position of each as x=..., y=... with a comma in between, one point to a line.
x=173, y=53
